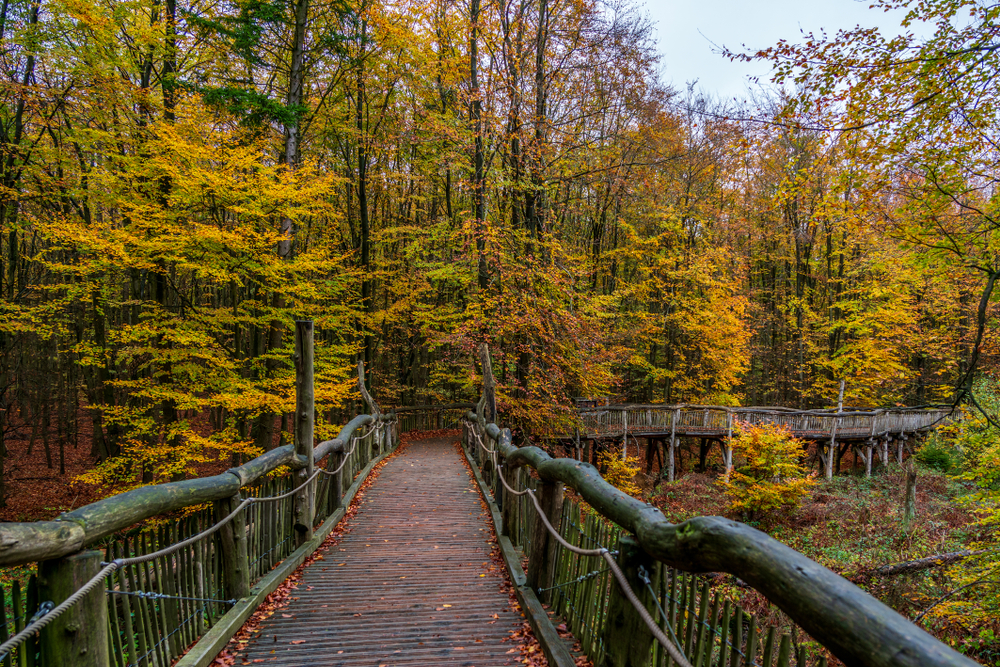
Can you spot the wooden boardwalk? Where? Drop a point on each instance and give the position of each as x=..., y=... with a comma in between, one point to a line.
x=410, y=584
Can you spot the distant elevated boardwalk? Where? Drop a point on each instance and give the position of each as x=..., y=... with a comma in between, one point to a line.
x=715, y=422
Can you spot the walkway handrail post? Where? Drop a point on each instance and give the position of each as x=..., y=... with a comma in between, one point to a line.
x=233, y=541
x=78, y=637
x=627, y=640
x=305, y=412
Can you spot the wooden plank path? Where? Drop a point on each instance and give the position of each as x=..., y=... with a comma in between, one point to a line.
x=409, y=584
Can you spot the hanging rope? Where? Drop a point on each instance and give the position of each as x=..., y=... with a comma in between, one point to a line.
x=670, y=647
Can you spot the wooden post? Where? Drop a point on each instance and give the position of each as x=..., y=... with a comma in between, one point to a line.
x=671, y=467
x=507, y=509
x=729, y=441
x=627, y=640
x=625, y=437
x=489, y=385
x=543, y=546
x=80, y=636
x=304, y=506
x=336, y=486
x=833, y=433
x=233, y=540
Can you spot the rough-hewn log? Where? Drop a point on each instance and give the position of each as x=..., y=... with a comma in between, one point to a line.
x=30, y=542
x=852, y=624
x=103, y=518
x=369, y=401
x=79, y=637
x=937, y=560
x=626, y=638
x=263, y=464
x=232, y=539
x=303, y=505
x=41, y=540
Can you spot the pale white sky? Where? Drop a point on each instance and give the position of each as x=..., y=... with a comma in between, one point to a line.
x=687, y=29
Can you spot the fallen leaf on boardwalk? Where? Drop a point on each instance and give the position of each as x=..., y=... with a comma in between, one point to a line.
x=288, y=616
x=297, y=641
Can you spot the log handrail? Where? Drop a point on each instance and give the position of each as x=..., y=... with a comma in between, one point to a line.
x=27, y=542
x=852, y=624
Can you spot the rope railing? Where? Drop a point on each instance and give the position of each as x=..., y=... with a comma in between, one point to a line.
x=848, y=622
x=671, y=648
x=154, y=580
x=36, y=625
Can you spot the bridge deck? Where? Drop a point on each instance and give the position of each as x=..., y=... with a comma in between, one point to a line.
x=411, y=583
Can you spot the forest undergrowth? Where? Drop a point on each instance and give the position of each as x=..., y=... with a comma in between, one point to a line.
x=853, y=525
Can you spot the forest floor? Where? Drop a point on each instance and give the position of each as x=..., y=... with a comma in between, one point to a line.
x=853, y=525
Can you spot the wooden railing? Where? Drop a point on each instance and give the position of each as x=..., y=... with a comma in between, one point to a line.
x=432, y=417
x=852, y=625
x=147, y=613
x=616, y=420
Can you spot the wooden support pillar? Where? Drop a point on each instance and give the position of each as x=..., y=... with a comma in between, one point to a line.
x=233, y=540
x=79, y=637
x=627, y=640
x=899, y=451
x=728, y=451
x=869, y=453
x=625, y=436
x=541, y=560
x=303, y=509
x=507, y=509
x=831, y=450
x=671, y=466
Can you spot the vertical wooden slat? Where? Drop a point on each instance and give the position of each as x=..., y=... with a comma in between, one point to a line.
x=737, y=640
x=691, y=617
x=114, y=624
x=31, y=606
x=767, y=658
x=19, y=620
x=671, y=609
x=143, y=634
x=188, y=634
x=751, y=651
x=5, y=627
x=724, y=634
x=705, y=650
x=158, y=618
x=784, y=651
x=127, y=603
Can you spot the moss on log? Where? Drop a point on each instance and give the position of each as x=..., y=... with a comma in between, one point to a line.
x=40, y=540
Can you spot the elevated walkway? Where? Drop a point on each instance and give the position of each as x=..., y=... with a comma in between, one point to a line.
x=411, y=582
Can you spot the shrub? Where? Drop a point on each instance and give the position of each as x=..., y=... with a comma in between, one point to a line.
x=618, y=473
x=770, y=476
x=934, y=456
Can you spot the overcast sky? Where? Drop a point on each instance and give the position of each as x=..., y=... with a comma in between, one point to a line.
x=687, y=29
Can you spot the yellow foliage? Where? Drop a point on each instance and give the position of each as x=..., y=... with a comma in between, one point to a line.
x=620, y=473
x=769, y=476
